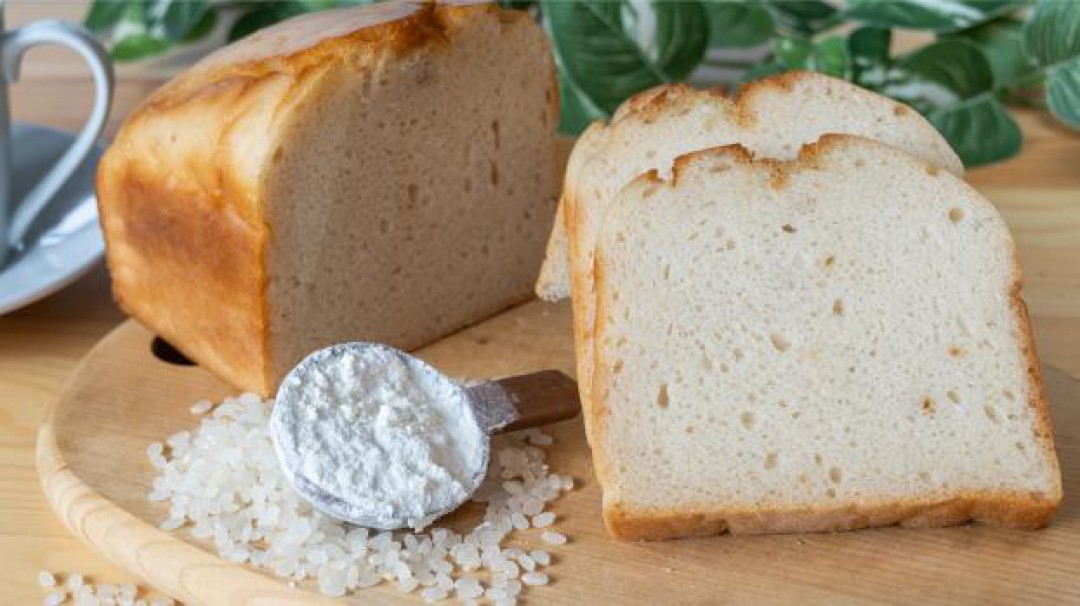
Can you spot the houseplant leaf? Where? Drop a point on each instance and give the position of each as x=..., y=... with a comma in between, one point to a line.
x=104, y=14
x=932, y=15
x=1002, y=43
x=576, y=110
x=804, y=17
x=979, y=129
x=939, y=75
x=951, y=82
x=1063, y=91
x=830, y=56
x=181, y=17
x=793, y=52
x=763, y=70
x=611, y=50
x=204, y=26
x=134, y=38
x=139, y=46
x=517, y=4
x=1052, y=37
x=1052, y=33
x=868, y=49
x=738, y=24
x=264, y=14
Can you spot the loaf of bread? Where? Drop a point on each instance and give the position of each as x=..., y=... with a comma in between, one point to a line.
x=832, y=342
x=383, y=173
x=772, y=118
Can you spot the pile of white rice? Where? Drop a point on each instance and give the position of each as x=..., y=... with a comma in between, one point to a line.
x=77, y=590
x=222, y=480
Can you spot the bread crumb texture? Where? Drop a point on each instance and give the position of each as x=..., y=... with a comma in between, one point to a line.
x=383, y=173
x=890, y=384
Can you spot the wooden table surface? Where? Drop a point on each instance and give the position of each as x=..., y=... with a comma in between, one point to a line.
x=1038, y=193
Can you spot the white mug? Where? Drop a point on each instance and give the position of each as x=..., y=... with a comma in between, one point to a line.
x=16, y=216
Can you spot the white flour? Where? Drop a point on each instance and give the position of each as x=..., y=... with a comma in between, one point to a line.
x=384, y=433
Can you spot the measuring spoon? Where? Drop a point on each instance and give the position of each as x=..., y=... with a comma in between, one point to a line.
x=480, y=410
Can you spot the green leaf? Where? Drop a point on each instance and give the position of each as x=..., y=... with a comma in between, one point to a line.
x=1052, y=33
x=1052, y=37
x=979, y=129
x=868, y=48
x=1002, y=43
x=517, y=4
x=763, y=70
x=576, y=110
x=793, y=52
x=311, y=6
x=612, y=50
x=253, y=21
x=735, y=24
x=932, y=15
x=139, y=46
x=805, y=17
x=951, y=82
x=203, y=28
x=939, y=75
x=181, y=17
x=1063, y=91
x=104, y=14
x=830, y=57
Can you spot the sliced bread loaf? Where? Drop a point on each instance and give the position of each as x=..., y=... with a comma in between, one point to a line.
x=383, y=173
x=772, y=118
x=828, y=343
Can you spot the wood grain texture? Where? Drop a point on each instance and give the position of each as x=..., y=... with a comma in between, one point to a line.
x=92, y=458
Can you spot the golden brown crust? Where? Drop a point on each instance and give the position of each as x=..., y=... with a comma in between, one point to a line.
x=809, y=158
x=180, y=190
x=651, y=103
x=172, y=256
x=1044, y=426
x=1009, y=509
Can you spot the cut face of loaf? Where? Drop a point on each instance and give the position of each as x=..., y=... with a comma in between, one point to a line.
x=772, y=118
x=384, y=173
x=823, y=344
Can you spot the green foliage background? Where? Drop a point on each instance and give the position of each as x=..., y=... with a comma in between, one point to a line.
x=983, y=53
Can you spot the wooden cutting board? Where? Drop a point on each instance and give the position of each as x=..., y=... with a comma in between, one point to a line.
x=92, y=461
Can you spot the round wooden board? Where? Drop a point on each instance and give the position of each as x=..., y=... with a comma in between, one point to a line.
x=91, y=457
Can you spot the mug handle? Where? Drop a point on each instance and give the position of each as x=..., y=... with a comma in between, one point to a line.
x=15, y=44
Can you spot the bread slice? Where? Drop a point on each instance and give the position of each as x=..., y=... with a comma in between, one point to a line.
x=792, y=108
x=553, y=284
x=828, y=343
x=772, y=118
x=383, y=173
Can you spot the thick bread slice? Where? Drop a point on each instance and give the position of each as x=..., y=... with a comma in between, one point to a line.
x=768, y=104
x=828, y=343
x=383, y=173
x=772, y=118
x=553, y=284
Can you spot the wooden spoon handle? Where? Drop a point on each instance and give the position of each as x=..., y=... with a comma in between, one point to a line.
x=525, y=401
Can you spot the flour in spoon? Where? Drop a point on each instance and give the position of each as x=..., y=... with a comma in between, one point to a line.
x=383, y=433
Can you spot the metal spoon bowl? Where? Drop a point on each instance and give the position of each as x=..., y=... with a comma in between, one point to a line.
x=489, y=407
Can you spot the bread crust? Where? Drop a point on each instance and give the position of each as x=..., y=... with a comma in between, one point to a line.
x=1004, y=509
x=1009, y=509
x=181, y=189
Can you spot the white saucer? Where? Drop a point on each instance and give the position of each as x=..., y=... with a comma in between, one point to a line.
x=65, y=240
